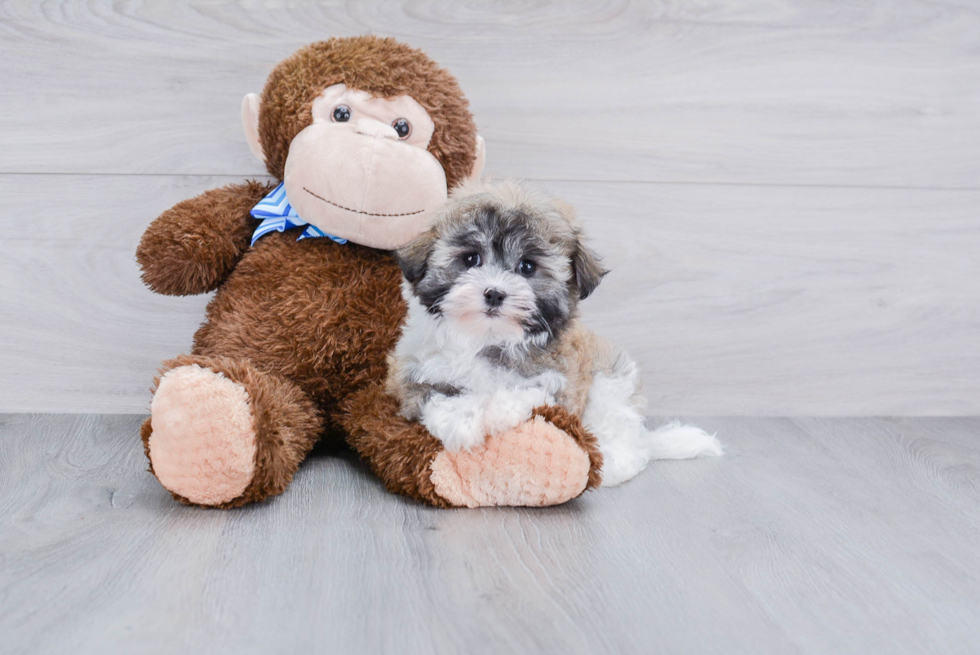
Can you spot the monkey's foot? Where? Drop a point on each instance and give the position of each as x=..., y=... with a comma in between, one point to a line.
x=203, y=440
x=223, y=433
x=535, y=464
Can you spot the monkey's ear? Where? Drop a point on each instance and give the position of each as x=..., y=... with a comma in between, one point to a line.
x=250, y=121
x=481, y=159
x=414, y=258
x=588, y=271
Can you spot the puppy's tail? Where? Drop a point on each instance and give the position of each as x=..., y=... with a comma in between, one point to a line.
x=627, y=445
x=678, y=441
x=632, y=449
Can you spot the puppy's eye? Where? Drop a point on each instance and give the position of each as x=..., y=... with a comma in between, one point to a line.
x=341, y=113
x=527, y=267
x=403, y=127
x=471, y=259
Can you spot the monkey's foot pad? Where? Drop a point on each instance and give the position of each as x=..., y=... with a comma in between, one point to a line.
x=203, y=442
x=533, y=465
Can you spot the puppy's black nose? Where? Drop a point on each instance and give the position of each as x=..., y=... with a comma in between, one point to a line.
x=494, y=298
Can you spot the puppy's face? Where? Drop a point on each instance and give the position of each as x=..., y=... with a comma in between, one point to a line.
x=503, y=265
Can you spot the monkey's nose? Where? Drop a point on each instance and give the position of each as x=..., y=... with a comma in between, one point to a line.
x=494, y=298
x=371, y=127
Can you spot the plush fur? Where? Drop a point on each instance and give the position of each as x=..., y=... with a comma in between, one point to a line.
x=193, y=246
x=286, y=426
x=383, y=67
x=301, y=329
x=493, y=291
x=542, y=452
x=204, y=438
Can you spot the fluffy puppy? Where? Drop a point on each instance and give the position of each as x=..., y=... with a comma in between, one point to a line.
x=493, y=291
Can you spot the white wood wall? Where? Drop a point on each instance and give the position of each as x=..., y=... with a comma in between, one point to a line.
x=788, y=192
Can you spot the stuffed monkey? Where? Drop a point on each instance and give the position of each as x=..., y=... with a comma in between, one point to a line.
x=366, y=136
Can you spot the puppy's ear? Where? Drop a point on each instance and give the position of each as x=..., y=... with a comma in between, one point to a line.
x=585, y=262
x=414, y=258
x=588, y=271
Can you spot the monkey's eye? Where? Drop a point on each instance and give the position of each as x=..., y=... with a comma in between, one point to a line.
x=341, y=113
x=403, y=127
x=471, y=259
x=527, y=267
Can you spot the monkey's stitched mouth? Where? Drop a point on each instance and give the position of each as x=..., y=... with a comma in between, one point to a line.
x=354, y=211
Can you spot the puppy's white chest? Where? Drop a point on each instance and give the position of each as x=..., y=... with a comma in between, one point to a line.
x=440, y=356
x=472, y=373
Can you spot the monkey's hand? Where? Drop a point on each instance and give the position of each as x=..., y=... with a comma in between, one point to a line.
x=193, y=246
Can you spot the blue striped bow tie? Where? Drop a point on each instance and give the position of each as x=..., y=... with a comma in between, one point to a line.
x=277, y=215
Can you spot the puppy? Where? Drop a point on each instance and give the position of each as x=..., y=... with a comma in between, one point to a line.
x=492, y=332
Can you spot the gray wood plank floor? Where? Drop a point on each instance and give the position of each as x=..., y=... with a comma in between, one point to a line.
x=809, y=536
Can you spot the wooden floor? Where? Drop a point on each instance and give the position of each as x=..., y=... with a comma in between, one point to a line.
x=788, y=193
x=810, y=536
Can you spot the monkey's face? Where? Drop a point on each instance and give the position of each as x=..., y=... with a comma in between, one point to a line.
x=367, y=134
x=361, y=170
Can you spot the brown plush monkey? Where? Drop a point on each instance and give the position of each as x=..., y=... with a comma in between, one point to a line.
x=367, y=136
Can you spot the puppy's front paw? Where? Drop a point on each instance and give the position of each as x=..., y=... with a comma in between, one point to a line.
x=456, y=421
x=505, y=409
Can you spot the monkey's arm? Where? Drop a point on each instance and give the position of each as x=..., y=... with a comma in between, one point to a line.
x=545, y=461
x=193, y=246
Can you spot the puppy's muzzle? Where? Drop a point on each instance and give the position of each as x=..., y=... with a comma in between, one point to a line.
x=494, y=298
